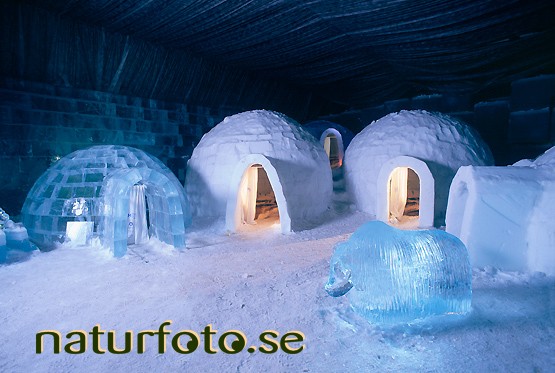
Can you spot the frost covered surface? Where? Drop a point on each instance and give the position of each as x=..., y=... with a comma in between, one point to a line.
x=94, y=185
x=400, y=276
x=504, y=215
x=442, y=142
x=253, y=283
x=232, y=146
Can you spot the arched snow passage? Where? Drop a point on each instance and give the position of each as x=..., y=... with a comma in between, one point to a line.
x=241, y=201
x=332, y=142
x=392, y=187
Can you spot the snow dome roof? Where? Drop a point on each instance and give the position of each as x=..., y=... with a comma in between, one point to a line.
x=547, y=158
x=94, y=184
x=423, y=135
x=442, y=142
x=301, y=165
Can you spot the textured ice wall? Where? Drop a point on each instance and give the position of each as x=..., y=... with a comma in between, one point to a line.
x=94, y=184
x=300, y=162
x=392, y=275
x=504, y=215
x=443, y=143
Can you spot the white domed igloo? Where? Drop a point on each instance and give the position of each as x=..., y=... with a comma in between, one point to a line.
x=399, y=168
x=117, y=193
x=259, y=167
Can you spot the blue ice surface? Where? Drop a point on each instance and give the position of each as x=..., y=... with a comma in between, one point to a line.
x=394, y=276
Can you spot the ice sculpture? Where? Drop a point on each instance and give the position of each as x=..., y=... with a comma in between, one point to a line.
x=87, y=193
x=13, y=236
x=4, y=217
x=17, y=237
x=391, y=275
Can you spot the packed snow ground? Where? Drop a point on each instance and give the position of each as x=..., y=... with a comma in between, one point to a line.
x=254, y=282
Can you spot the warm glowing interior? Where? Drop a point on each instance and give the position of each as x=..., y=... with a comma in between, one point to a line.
x=331, y=146
x=258, y=201
x=403, y=196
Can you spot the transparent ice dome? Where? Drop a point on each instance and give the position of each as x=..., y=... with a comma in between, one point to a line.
x=94, y=185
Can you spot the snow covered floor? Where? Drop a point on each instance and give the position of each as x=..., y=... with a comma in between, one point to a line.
x=254, y=282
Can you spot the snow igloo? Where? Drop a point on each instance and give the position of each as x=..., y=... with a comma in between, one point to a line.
x=399, y=168
x=334, y=138
x=259, y=169
x=504, y=215
x=119, y=194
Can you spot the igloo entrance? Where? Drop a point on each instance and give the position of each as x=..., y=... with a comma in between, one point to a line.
x=258, y=202
x=138, y=219
x=405, y=193
x=333, y=145
x=142, y=203
x=257, y=199
x=403, y=196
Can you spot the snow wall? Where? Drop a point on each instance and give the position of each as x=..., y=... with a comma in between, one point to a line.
x=94, y=185
x=296, y=164
x=504, y=215
x=443, y=143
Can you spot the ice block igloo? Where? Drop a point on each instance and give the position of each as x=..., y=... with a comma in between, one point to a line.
x=391, y=275
x=504, y=215
x=255, y=167
x=399, y=167
x=87, y=193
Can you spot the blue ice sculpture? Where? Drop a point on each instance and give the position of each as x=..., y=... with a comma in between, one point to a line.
x=13, y=236
x=4, y=217
x=391, y=275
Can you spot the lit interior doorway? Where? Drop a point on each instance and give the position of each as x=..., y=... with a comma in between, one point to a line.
x=404, y=197
x=257, y=199
x=331, y=146
x=137, y=217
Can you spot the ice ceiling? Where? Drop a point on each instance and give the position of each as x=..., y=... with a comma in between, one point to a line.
x=350, y=52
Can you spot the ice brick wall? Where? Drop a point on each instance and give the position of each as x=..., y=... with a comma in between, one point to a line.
x=41, y=123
